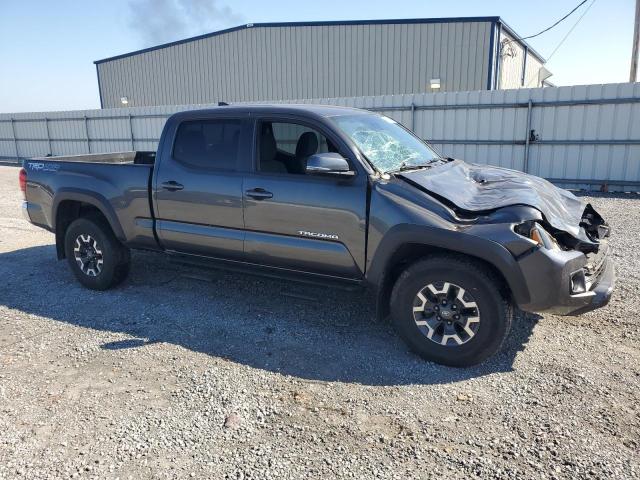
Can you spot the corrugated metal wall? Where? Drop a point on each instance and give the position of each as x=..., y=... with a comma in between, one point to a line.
x=292, y=62
x=583, y=136
x=532, y=72
x=512, y=61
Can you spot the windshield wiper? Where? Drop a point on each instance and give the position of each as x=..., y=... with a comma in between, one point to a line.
x=404, y=166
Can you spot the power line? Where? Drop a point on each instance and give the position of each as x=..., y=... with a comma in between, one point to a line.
x=566, y=36
x=557, y=23
x=571, y=29
x=507, y=42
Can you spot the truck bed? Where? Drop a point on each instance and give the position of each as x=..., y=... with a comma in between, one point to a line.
x=115, y=183
x=135, y=157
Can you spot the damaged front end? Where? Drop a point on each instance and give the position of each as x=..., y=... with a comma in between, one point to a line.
x=561, y=248
x=592, y=231
x=482, y=188
x=576, y=266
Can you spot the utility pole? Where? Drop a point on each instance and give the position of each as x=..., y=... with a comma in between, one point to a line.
x=634, y=50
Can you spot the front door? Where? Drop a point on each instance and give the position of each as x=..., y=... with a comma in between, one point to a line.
x=198, y=190
x=303, y=222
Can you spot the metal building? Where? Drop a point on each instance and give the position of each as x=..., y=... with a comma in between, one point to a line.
x=280, y=61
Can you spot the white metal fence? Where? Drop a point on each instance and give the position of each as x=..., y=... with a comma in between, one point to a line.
x=580, y=136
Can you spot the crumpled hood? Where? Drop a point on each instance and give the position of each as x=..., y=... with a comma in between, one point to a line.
x=481, y=187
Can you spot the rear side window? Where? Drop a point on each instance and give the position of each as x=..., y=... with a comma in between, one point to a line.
x=208, y=144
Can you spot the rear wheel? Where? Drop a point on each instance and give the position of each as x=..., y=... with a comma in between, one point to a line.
x=96, y=257
x=450, y=310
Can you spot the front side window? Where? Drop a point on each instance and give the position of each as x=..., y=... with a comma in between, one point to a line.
x=386, y=144
x=208, y=144
x=285, y=147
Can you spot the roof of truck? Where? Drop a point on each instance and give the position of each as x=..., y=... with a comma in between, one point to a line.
x=282, y=108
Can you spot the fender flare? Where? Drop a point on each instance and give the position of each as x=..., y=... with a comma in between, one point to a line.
x=92, y=198
x=456, y=242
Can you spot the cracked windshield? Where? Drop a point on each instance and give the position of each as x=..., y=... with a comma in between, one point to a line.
x=385, y=143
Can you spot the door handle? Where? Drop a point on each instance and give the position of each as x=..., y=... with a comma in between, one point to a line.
x=172, y=186
x=259, y=194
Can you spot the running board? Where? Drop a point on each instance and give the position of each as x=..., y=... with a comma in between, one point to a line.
x=265, y=271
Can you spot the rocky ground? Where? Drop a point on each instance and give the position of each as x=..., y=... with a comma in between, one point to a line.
x=184, y=372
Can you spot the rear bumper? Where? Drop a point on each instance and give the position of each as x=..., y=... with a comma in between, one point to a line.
x=25, y=211
x=32, y=212
x=548, y=278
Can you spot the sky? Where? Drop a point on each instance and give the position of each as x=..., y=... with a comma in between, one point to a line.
x=47, y=47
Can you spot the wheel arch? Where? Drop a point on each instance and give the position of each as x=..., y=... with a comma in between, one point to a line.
x=406, y=244
x=72, y=204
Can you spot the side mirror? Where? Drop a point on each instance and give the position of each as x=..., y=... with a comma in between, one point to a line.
x=329, y=163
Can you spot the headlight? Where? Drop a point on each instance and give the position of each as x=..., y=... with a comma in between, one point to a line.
x=534, y=231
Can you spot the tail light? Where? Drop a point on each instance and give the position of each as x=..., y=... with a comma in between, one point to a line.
x=23, y=182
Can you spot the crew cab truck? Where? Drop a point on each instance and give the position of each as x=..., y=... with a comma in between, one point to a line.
x=336, y=195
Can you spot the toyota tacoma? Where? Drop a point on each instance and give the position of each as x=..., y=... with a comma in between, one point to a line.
x=338, y=196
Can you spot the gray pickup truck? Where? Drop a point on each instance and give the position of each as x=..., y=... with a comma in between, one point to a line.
x=338, y=196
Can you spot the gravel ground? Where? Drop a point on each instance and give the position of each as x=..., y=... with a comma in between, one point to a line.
x=184, y=372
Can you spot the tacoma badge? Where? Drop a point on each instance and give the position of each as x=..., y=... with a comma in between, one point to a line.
x=328, y=236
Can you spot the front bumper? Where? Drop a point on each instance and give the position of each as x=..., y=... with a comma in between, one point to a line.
x=602, y=290
x=548, y=278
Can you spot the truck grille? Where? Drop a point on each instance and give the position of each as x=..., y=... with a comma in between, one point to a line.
x=596, y=263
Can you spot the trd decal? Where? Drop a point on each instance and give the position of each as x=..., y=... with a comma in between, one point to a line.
x=43, y=167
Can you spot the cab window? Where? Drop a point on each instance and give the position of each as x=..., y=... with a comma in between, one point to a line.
x=284, y=147
x=208, y=144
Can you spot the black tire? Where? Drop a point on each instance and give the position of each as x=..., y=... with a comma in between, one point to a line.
x=108, y=262
x=482, y=288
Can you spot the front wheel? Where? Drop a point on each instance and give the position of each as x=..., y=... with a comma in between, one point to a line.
x=451, y=310
x=96, y=257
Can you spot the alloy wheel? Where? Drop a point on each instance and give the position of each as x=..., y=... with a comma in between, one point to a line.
x=88, y=255
x=446, y=314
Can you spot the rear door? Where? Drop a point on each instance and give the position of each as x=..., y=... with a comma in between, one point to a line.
x=303, y=222
x=198, y=186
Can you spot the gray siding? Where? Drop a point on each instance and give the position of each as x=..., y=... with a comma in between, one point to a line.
x=512, y=62
x=532, y=73
x=283, y=63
